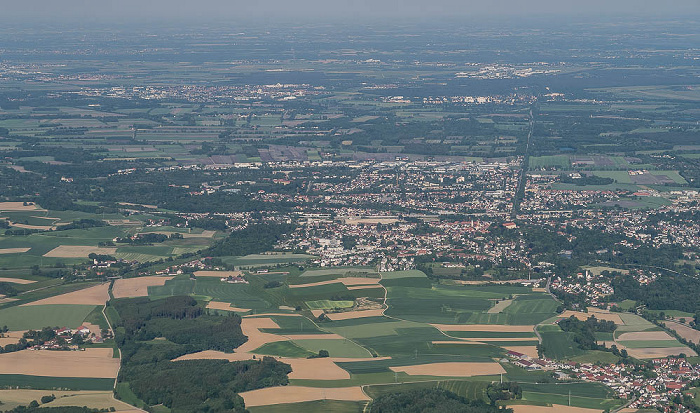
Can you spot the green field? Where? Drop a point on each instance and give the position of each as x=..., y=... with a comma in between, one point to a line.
x=403, y=274
x=240, y=295
x=124, y=393
x=473, y=390
x=558, y=161
x=320, y=406
x=283, y=349
x=586, y=395
x=651, y=343
x=340, y=271
x=559, y=345
x=54, y=383
x=261, y=260
x=39, y=316
x=336, y=348
x=596, y=356
x=468, y=305
x=491, y=334
x=329, y=304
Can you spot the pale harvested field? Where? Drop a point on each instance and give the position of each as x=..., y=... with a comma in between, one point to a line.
x=92, y=362
x=500, y=306
x=457, y=369
x=645, y=335
x=11, y=337
x=39, y=227
x=218, y=274
x=684, y=331
x=358, y=280
x=17, y=206
x=484, y=327
x=362, y=287
x=348, y=315
x=539, y=290
x=15, y=280
x=315, y=369
x=652, y=353
x=13, y=250
x=317, y=313
x=527, y=350
x=555, y=408
x=314, y=284
x=94, y=328
x=203, y=234
x=79, y=251
x=347, y=281
x=97, y=295
x=502, y=340
x=218, y=305
x=599, y=270
x=297, y=394
x=271, y=314
x=615, y=318
x=136, y=287
x=256, y=338
x=142, y=205
x=471, y=282
x=91, y=399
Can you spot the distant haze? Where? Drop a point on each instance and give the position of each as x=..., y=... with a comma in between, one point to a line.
x=304, y=10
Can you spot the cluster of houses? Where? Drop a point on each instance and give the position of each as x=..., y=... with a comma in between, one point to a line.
x=64, y=339
x=671, y=376
x=234, y=279
x=594, y=289
x=531, y=363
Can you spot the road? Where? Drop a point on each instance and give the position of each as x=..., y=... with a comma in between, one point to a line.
x=520, y=190
x=554, y=297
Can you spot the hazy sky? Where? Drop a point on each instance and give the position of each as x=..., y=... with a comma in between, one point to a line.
x=338, y=9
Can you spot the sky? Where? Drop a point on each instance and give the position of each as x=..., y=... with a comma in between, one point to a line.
x=71, y=10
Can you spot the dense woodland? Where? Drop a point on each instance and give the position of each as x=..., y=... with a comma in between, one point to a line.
x=584, y=331
x=252, y=239
x=32, y=408
x=152, y=333
x=667, y=292
x=430, y=401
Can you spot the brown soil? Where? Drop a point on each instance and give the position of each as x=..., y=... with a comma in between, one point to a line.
x=136, y=287
x=97, y=295
x=457, y=369
x=91, y=362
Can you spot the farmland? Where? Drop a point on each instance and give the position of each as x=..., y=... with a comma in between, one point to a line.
x=294, y=216
x=37, y=317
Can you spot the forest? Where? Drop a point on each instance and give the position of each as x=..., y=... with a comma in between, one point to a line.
x=430, y=401
x=182, y=327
